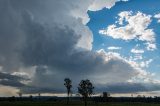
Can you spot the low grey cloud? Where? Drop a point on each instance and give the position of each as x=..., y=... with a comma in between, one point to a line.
x=11, y=80
x=129, y=87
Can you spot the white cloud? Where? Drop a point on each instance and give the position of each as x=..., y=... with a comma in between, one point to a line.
x=124, y=15
x=141, y=64
x=137, y=75
x=133, y=70
x=136, y=28
x=146, y=63
x=136, y=51
x=99, y=4
x=138, y=57
x=151, y=46
x=114, y=48
x=157, y=16
x=74, y=13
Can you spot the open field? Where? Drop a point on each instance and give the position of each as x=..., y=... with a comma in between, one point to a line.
x=74, y=104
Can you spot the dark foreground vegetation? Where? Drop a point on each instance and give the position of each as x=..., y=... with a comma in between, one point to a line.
x=76, y=104
x=76, y=101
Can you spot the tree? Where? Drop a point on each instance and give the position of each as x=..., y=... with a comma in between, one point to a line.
x=20, y=94
x=31, y=98
x=85, y=88
x=39, y=96
x=105, y=96
x=68, y=85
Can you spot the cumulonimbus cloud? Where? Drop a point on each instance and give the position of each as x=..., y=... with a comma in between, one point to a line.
x=51, y=37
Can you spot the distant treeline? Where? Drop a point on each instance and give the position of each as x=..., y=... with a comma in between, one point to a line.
x=93, y=99
x=127, y=99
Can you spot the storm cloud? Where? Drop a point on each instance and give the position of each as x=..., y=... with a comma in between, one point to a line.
x=51, y=38
x=11, y=80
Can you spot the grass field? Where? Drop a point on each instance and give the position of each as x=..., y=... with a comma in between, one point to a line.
x=74, y=104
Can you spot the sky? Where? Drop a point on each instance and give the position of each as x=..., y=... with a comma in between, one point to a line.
x=113, y=43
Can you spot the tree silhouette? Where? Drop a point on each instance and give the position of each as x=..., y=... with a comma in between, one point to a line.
x=39, y=96
x=31, y=98
x=85, y=88
x=68, y=85
x=19, y=94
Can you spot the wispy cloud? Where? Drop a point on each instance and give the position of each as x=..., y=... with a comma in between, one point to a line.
x=137, y=51
x=114, y=48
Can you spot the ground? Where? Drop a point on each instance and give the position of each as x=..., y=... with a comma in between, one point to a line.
x=74, y=104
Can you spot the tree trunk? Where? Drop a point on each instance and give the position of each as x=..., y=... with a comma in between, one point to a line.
x=85, y=101
x=68, y=97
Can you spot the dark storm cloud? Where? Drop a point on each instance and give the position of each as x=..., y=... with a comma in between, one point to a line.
x=11, y=80
x=11, y=36
x=46, y=45
x=18, y=30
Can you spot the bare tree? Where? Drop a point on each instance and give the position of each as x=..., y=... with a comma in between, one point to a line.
x=85, y=88
x=68, y=85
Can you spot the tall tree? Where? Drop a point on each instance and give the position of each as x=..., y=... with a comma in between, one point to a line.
x=85, y=88
x=68, y=85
